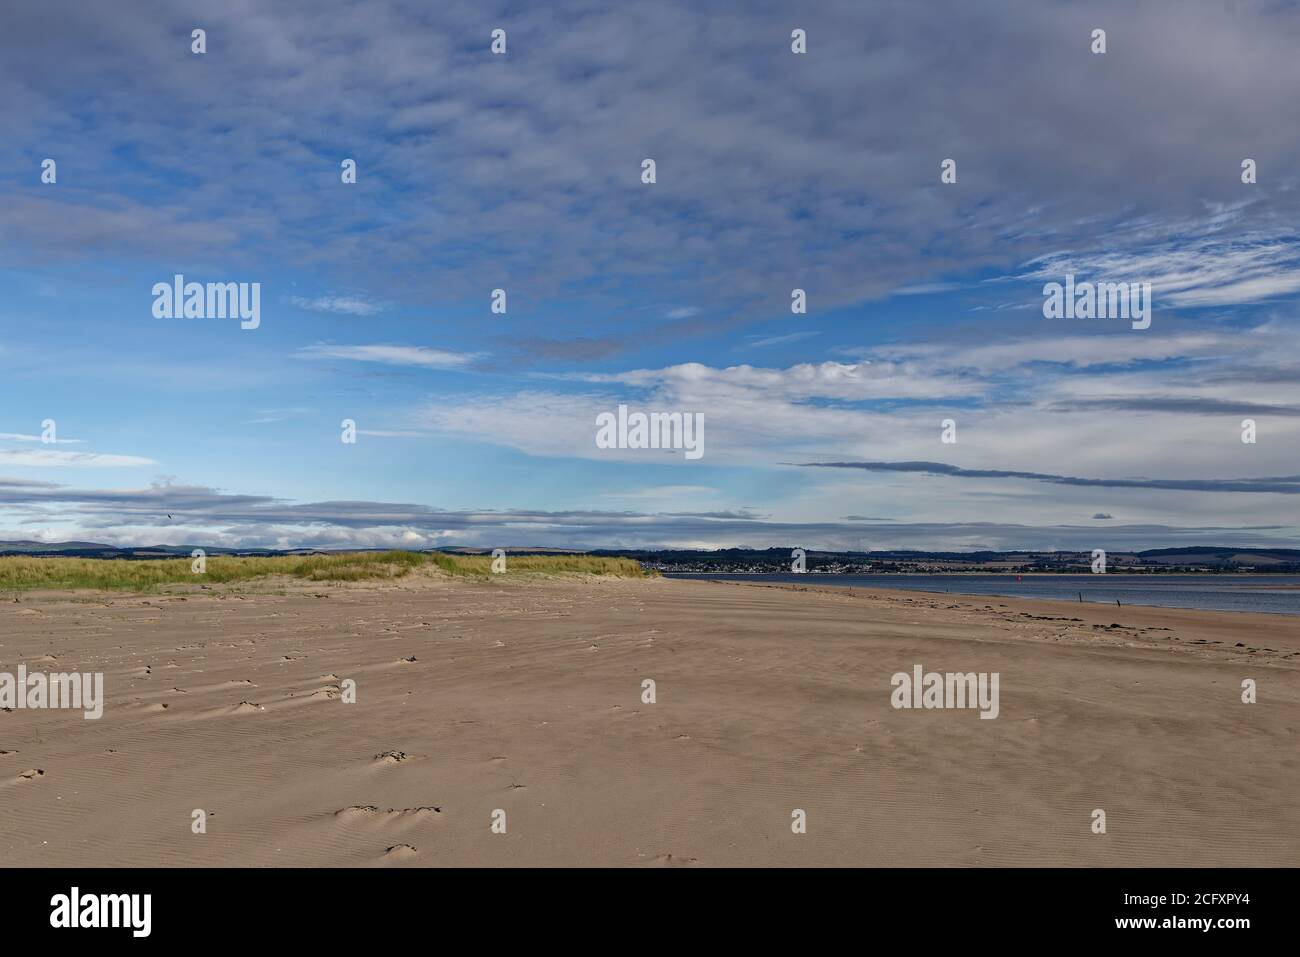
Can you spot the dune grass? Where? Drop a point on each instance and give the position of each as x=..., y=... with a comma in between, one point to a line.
x=24, y=573
x=480, y=566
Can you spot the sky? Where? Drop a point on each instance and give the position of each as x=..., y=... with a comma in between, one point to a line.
x=773, y=171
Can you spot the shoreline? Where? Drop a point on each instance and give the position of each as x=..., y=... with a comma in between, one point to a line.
x=1197, y=622
x=969, y=574
x=766, y=579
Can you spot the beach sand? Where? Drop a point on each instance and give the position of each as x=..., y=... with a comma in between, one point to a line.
x=527, y=697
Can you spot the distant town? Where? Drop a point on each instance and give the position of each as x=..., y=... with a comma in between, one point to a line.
x=1159, y=561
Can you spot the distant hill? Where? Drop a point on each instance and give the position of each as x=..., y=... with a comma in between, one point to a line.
x=99, y=550
x=1212, y=554
x=1201, y=557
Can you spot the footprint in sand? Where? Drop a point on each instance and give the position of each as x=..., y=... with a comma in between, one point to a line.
x=389, y=757
x=671, y=860
x=31, y=774
x=370, y=815
x=400, y=852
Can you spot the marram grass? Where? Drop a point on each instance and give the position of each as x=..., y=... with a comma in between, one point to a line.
x=480, y=566
x=24, y=573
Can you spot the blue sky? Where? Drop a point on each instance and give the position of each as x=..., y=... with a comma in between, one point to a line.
x=775, y=171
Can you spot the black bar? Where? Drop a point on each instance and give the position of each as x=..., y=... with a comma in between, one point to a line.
x=328, y=907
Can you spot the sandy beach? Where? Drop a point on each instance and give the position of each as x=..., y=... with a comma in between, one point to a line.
x=527, y=697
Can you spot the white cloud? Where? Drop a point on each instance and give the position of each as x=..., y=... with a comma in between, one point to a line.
x=1211, y=268
x=349, y=305
x=1079, y=351
x=392, y=355
x=51, y=458
x=761, y=342
x=675, y=493
x=22, y=437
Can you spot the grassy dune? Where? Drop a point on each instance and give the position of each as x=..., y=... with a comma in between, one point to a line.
x=20, y=573
x=480, y=566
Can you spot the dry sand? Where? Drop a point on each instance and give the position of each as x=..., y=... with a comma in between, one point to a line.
x=527, y=697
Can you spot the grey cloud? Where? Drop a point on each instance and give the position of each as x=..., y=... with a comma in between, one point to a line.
x=1283, y=484
x=1184, y=405
x=528, y=164
x=124, y=517
x=1255, y=375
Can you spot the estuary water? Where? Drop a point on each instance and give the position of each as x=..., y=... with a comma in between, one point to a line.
x=1277, y=594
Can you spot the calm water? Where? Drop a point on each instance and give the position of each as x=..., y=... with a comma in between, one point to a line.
x=1279, y=594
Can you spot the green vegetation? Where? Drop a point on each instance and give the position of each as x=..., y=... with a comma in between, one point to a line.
x=480, y=566
x=20, y=573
